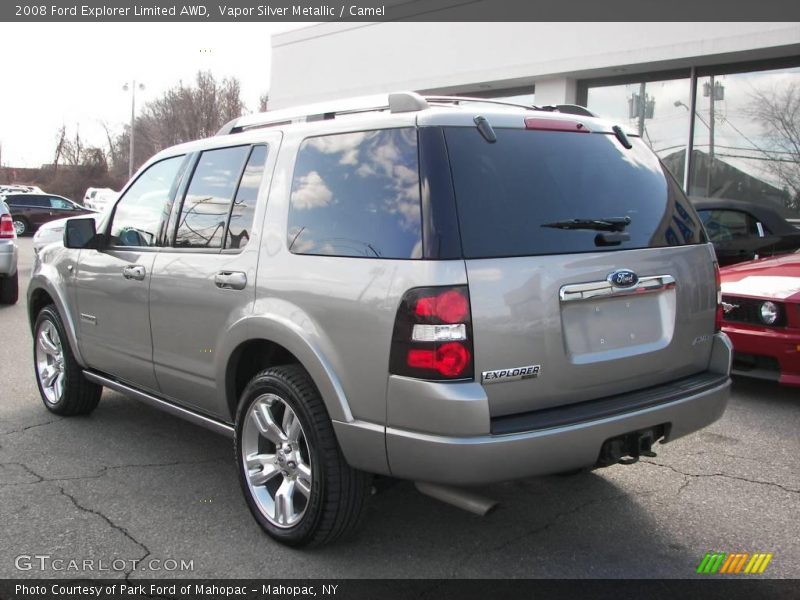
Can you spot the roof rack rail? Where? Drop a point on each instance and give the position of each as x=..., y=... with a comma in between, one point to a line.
x=459, y=99
x=396, y=102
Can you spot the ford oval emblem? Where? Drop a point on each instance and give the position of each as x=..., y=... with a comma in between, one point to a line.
x=623, y=278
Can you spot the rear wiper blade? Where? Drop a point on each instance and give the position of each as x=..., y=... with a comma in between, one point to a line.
x=610, y=224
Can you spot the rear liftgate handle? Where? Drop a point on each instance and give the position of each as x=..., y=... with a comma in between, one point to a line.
x=231, y=280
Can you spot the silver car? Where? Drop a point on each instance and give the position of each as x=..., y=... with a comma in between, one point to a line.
x=9, y=278
x=448, y=291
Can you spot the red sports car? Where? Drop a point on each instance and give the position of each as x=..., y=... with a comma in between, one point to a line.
x=761, y=304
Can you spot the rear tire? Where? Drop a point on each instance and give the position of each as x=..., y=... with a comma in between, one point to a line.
x=21, y=226
x=9, y=289
x=64, y=389
x=295, y=480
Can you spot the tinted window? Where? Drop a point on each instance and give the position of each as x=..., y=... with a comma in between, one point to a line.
x=244, y=204
x=145, y=205
x=507, y=191
x=357, y=194
x=28, y=200
x=724, y=224
x=208, y=199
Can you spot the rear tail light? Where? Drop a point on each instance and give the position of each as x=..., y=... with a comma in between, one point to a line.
x=7, y=227
x=433, y=335
x=720, y=313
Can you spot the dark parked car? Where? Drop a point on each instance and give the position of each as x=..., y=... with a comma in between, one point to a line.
x=29, y=211
x=743, y=230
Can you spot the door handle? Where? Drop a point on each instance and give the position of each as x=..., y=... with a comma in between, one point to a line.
x=230, y=280
x=133, y=272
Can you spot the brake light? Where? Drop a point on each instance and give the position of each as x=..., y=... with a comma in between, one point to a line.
x=449, y=307
x=7, y=227
x=555, y=125
x=433, y=334
x=720, y=313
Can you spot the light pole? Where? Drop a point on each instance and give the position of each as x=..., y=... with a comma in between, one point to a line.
x=132, y=88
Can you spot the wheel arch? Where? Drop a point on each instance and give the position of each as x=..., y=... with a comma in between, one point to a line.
x=259, y=342
x=41, y=294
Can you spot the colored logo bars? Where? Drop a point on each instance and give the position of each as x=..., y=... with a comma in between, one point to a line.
x=734, y=563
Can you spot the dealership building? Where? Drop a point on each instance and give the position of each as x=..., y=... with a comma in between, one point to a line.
x=736, y=79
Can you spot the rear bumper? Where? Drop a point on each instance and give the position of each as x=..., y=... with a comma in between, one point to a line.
x=453, y=451
x=8, y=258
x=752, y=343
x=484, y=459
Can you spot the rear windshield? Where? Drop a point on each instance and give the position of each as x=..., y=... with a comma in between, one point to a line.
x=507, y=191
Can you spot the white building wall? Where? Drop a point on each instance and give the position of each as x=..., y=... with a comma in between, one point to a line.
x=333, y=60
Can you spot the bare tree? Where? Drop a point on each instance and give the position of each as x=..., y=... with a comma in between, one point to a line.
x=263, y=100
x=777, y=110
x=183, y=113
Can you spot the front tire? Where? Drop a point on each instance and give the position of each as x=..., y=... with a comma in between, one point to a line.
x=9, y=289
x=295, y=479
x=64, y=389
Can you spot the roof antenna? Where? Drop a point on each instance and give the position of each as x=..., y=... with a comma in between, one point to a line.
x=485, y=129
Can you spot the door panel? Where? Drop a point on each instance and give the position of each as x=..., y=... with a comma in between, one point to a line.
x=190, y=313
x=114, y=319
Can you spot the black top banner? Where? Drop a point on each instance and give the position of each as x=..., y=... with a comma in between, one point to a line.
x=276, y=11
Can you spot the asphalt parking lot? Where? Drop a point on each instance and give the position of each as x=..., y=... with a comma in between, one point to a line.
x=129, y=483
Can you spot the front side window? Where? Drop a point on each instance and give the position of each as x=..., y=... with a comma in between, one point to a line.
x=208, y=199
x=357, y=194
x=145, y=205
x=60, y=203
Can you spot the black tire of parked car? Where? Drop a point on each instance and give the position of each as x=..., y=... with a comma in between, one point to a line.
x=21, y=226
x=339, y=492
x=79, y=396
x=9, y=289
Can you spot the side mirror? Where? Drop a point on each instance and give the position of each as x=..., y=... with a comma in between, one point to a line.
x=80, y=233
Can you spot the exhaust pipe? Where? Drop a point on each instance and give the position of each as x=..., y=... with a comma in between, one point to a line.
x=459, y=498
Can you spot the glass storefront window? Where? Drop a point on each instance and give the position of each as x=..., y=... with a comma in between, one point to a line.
x=747, y=137
x=657, y=110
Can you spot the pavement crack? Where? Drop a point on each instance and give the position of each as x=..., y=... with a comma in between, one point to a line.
x=689, y=476
x=34, y=426
x=123, y=530
x=102, y=472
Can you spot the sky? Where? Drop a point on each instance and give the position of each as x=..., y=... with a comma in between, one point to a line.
x=72, y=74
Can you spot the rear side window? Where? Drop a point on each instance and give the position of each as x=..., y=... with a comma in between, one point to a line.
x=208, y=199
x=244, y=203
x=507, y=191
x=357, y=194
x=722, y=224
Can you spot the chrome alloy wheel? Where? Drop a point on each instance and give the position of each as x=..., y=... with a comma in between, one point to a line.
x=19, y=227
x=50, y=362
x=276, y=461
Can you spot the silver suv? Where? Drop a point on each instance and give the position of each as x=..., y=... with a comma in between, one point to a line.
x=9, y=277
x=444, y=290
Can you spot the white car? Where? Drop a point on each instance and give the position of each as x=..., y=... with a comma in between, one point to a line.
x=20, y=189
x=99, y=198
x=53, y=231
